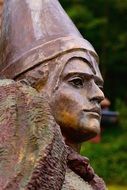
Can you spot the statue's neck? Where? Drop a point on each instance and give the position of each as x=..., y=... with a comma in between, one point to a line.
x=74, y=145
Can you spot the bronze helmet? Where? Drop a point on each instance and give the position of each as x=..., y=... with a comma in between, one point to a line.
x=34, y=31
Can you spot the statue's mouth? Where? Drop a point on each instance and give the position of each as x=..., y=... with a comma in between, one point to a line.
x=96, y=111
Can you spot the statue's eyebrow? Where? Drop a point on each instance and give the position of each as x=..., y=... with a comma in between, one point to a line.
x=98, y=80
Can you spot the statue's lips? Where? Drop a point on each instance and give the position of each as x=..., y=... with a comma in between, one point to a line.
x=96, y=112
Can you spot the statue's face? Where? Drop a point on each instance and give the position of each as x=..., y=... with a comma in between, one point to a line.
x=75, y=103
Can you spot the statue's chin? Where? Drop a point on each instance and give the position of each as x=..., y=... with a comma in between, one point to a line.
x=90, y=126
x=86, y=130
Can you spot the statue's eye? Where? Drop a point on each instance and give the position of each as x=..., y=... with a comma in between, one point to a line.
x=77, y=82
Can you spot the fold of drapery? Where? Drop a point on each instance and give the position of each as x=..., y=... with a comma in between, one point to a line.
x=33, y=154
x=32, y=150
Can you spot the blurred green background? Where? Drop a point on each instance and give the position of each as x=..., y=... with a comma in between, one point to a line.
x=104, y=24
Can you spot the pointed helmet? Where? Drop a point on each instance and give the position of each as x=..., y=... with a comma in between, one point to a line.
x=34, y=31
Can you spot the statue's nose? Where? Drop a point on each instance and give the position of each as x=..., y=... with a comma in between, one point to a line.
x=97, y=94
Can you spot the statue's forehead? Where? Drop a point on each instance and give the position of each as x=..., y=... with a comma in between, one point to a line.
x=79, y=65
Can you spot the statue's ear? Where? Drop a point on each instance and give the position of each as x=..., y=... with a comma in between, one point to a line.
x=38, y=78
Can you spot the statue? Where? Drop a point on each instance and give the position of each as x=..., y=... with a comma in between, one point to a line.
x=50, y=95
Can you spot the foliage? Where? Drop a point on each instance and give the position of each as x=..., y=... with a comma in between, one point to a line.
x=122, y=107
x=114, y=187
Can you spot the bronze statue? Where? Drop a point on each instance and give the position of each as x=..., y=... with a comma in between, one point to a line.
x=55, y=99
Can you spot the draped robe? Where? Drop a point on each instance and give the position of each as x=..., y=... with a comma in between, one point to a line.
x=33, y=154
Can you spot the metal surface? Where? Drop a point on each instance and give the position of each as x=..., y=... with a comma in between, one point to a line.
x=33, y=32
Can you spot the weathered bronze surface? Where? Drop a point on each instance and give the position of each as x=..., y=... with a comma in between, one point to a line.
x=33, y=32
x=54, y=103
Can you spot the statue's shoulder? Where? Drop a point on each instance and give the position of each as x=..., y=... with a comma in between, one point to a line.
x=28, y=136
x=7, y=92
x=6, y=82
x=22, y=96
x=17, y=89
